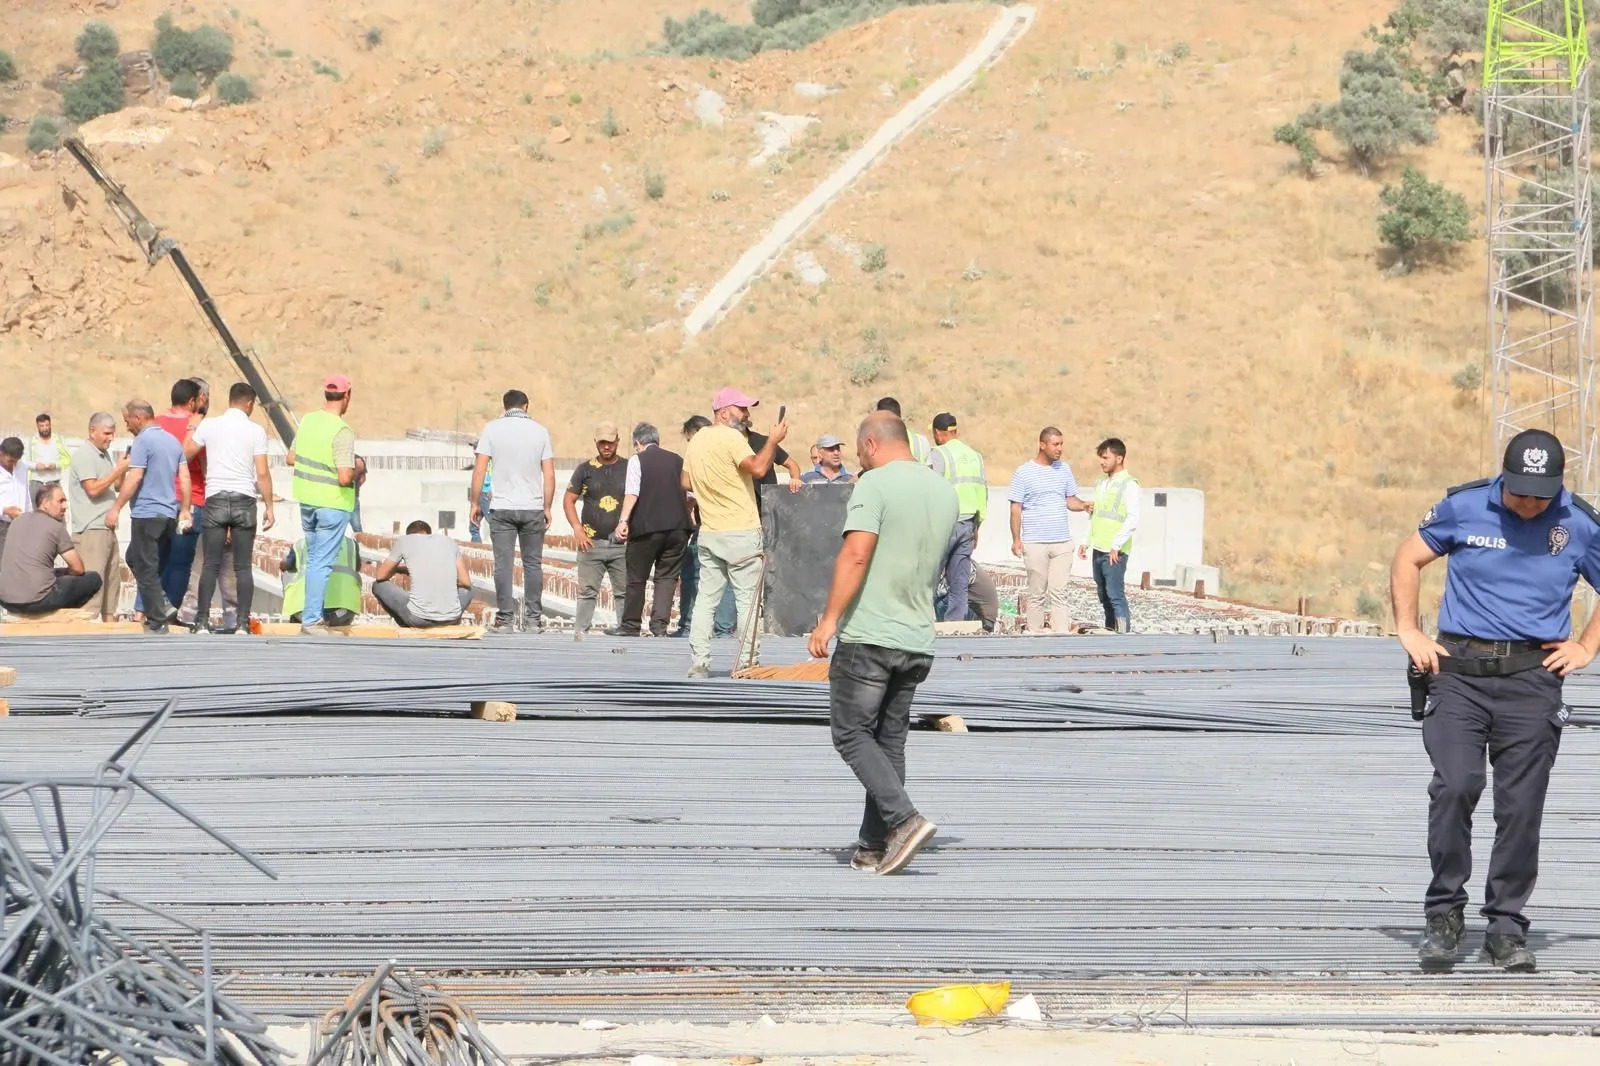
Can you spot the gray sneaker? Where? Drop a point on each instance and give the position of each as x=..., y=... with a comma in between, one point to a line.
x=699, y=673
x=316, y=629
x=905, y=840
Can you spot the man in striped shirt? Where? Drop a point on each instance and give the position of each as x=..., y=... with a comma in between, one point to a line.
x=1043, y=490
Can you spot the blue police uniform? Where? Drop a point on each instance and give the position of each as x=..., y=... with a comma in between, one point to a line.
x=1508, y=590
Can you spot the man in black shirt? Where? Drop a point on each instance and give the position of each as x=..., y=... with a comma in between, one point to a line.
x=779, y=458
x=600, y=484
x=656, y=526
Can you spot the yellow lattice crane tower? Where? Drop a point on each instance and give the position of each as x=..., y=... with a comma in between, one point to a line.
x=1536, y=131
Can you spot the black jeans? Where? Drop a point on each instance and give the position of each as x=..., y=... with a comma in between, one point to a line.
x=150, y=541
x=224, y=512
x=507, y=531
x=869, y=706
x=71, y=590
x=664, y=553
x=1517, y=721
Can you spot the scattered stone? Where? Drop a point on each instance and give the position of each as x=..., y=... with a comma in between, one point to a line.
x=778, y=133
x=886, y=90
x=7, y=161
x=815, y=90
x=707, y=107
x=596, y=1025
x=197, y=168
x=176, y=103
x=554, y=90
x=809, y=270
x=560, y=135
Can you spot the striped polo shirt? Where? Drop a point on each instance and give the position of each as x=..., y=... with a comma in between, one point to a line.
x=1043, y=492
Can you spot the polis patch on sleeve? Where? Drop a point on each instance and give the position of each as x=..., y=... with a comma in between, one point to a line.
x=1428, y=519
x=1558, y=539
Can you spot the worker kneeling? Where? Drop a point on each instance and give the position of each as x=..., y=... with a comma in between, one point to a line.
x=30, y=583
x=440, y=589
x=341, y=602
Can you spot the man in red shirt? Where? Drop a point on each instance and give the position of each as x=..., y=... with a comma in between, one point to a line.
x=181, y=565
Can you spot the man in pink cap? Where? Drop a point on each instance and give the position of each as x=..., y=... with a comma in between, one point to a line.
x=721, y=470
x=323, y=456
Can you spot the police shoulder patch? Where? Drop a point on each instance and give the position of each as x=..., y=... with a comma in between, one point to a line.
x=1480, y=483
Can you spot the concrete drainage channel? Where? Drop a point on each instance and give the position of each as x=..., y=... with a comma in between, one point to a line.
x=1008, y=28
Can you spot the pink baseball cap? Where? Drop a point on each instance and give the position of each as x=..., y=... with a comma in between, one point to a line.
x=336, y=383
x=729, y=396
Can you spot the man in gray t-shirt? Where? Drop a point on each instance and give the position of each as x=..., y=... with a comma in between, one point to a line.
x=519, y=506
x=440, y=589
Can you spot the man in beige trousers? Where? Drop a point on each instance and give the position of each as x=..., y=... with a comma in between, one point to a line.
x=1043, y=490
x=93, y=479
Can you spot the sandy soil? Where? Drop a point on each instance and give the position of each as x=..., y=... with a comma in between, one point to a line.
x=861, y=1044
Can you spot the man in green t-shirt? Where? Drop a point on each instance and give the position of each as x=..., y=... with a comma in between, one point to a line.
x=881, y=605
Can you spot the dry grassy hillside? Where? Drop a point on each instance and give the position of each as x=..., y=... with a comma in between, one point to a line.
x=1112, y=246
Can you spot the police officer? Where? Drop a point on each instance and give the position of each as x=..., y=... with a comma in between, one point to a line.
x=1517, y=545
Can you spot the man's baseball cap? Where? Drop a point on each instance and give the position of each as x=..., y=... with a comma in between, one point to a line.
x=607, y=431
x=828, y=440
x=1535, y=463
x=336, y=383
x=944, y=421
x=728, y=396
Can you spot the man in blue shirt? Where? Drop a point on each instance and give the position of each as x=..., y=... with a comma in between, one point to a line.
x=1517, y=545
x=158, y=485
x=830, y=464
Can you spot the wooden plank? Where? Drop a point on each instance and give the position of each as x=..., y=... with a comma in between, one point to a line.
x=5, y=709
x=813, y=670
x=951, y=629
x=48, y=618
x=292, y=629
x=80, y=628
x=8, y=676
x=950, y=723
x=494, y=711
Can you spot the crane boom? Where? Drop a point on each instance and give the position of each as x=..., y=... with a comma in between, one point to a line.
x=156, y=247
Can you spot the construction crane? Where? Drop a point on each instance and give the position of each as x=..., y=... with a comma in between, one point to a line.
x=157, y=247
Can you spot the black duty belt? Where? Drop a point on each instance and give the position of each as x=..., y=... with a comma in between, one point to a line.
x=1493, y=658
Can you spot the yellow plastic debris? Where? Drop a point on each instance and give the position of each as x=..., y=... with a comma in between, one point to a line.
x=954, y=1004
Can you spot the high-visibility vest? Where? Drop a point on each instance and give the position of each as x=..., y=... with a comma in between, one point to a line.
x=48, y=453
x=344, y=584
x=963, y=468
x=921, y=450
x=316, y=478
x=1110, y=511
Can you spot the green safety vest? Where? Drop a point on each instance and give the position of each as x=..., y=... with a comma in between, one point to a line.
x=920, y=448
x=963, y=468
x=1110, y=511
x=316, y=478
x=344, y=584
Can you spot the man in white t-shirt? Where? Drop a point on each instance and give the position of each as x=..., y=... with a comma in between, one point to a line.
x=236, y=482
x=519, y=507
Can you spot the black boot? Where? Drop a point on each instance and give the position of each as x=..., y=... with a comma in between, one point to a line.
x=1440, y=940
x=1510, y=953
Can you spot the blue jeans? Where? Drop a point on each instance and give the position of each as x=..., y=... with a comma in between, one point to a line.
x=475, y=529
x=688, y=584
x=324, y=532
x=1108, y=579
x=958, y=569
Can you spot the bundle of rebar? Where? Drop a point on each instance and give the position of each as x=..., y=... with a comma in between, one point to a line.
x=393, y=1019
x=1315, y=686
x=76, y=988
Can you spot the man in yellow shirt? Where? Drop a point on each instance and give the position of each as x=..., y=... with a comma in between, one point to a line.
x=722, y=471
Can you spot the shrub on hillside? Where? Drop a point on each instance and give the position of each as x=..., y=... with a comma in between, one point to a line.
x=1376, y=115
x=98, y=92
x=204, y=52
x=778, y=24
x=186, y=86
x=44, y=134
x=1543, y=261
x=234, y=89
x=1424, y=221
x=1298, y=137
x=97, y=41
x=8, y=67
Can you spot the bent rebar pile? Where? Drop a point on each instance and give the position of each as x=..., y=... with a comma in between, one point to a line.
x=76, y=988
x=396, y=1020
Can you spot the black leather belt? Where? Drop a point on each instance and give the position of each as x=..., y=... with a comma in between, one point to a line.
x=1493, y=658
x=1491, y=647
